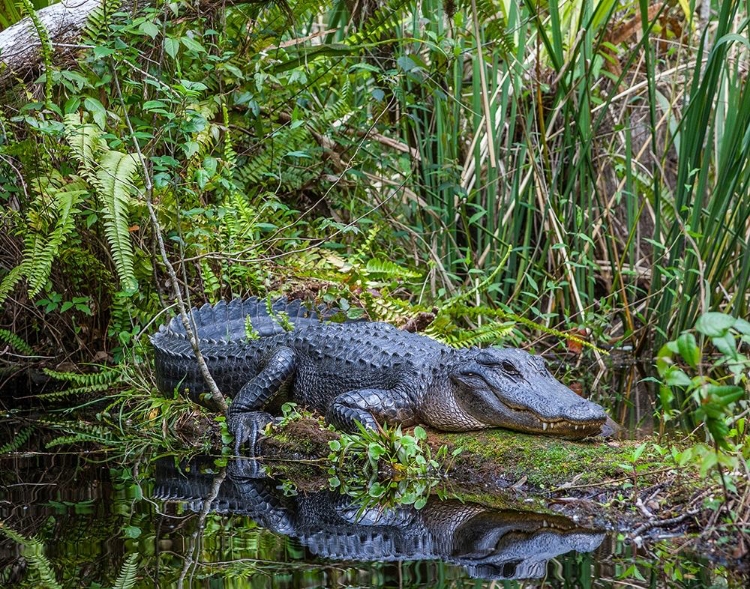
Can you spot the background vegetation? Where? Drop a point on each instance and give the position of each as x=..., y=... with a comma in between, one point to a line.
x=580, y=166
x=485, y=170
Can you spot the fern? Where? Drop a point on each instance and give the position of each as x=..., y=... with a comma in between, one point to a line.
x=491, y=14
x=33, y=552
x=388, y=309
x=90, y=434
x=491, y=333
x=106, y=377
x=116, y=175
x=113, y=174
x=98, y=22
x=75, y=391
x=387, y=269
x=42, y=250
x=46, y=46
x=127, y=577
x=19, y=440
x=16, y=342
x=50, y=220
x=206, y=138
x=383, y=21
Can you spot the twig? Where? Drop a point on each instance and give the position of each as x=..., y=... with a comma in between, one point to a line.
x=216, y=395
x=660, y=523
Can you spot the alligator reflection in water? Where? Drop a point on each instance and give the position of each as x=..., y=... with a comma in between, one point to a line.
x=489, y=543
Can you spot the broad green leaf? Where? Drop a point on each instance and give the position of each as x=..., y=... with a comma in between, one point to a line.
x=192, y=45
x=172, y=46
x=149, y=28
x=677, y=378
x=714, y=324
x=689, y=349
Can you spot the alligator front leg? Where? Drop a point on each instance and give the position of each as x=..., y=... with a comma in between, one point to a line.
x=370, y=407
x=246, y=418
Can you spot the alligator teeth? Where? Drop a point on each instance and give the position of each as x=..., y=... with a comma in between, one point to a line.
x=544, y=426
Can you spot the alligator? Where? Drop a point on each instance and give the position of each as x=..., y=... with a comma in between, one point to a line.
x=488, y=543
x=358, y=372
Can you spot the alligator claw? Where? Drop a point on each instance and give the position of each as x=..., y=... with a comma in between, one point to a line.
x=246, y=428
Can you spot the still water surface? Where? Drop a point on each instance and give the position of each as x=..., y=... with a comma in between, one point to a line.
x=204, y=526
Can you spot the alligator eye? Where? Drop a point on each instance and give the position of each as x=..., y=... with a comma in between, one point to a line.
x=508, y=367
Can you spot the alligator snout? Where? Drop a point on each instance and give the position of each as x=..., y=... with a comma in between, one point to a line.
x=586, y=411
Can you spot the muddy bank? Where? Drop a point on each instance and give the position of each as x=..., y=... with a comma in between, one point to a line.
x=633, y=487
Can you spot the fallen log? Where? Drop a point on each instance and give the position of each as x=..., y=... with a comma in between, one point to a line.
x=20, y=45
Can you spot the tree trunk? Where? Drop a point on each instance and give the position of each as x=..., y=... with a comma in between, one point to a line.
x=20, y=47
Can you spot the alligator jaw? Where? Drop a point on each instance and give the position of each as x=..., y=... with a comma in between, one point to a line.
x=512, y=389
x=529, y=422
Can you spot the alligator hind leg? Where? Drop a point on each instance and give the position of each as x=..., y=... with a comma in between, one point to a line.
x=370, y=407
x=246, y=418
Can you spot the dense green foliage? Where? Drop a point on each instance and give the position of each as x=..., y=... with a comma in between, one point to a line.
x=268, y=137
x=507, y=167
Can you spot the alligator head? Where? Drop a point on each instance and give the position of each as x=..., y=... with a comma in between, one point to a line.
x=510, y=388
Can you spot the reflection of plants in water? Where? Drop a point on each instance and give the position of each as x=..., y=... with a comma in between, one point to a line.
x=663, y=565
x=42, y=570
x=387, y=466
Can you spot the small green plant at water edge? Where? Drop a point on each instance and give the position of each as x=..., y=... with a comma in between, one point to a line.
x=386, y=466
x=717, y=385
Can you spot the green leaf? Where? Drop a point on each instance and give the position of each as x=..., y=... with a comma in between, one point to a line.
x=689, y=349
x=726, y=345
x=100, y=52
x=149, y=28
x=677, y=378
x=406, y=63
x=714, y=324
x=192, y=45
x=375, y=450
x=131, y=532
x=742, y=326
x=376, y=490
x=727, y=393
x=172, y=46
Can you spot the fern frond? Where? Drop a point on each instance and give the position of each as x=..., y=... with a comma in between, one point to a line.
x=127, y=577
x=205, y=139
x=75, y=391
x=492, y=333
x=388, y=309
x=107, y=377
x=85, y=140
x=116, y=175
x=387, y=269
x=491, y=14
x=33, y=552
x=79, y=438
x=50, y=220
x=10, y=280
x=384, y=21
x=16, y=342
x=21, y=438
x=99, y=21
x=41, y=250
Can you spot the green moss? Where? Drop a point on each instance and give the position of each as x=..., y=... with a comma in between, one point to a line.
x=546, y=462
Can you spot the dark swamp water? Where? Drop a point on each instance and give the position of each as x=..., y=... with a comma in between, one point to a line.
x=145, y=521
x=202, y=525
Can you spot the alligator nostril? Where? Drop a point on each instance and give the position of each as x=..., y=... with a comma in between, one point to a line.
x=587, y=410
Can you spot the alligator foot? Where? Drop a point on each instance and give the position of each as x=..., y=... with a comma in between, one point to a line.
x=246, y=428
x=245, y=469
